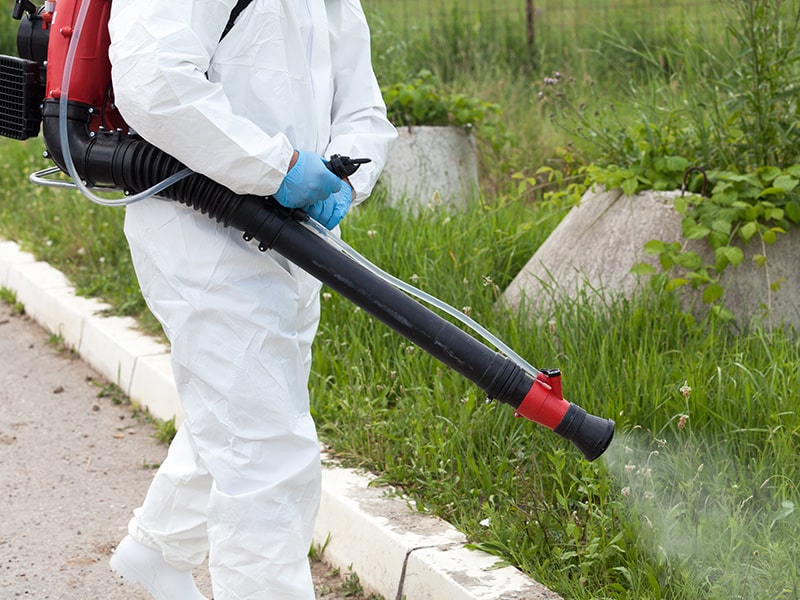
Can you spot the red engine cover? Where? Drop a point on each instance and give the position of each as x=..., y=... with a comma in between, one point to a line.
x=90, y=78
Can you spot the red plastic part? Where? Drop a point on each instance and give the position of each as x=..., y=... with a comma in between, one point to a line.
x=90, y=80
x=544, y=403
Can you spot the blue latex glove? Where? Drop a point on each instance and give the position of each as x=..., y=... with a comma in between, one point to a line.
x=330, y=211
x=307, y=182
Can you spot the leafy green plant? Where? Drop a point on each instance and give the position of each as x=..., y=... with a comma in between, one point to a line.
x=317, y=551
x=423, y=101
x=741, y=207
x=113, y=392
x=165, y=430
x=56, y=340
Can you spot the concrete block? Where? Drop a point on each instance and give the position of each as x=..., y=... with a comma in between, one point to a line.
x=73, y=313
x=111, y=345
x=153, y=387
x=10, y=256
x=361, y=522
x=39, y=288
x=431, y=165
x=399, y=553
x=458, y=573
x=595, y=246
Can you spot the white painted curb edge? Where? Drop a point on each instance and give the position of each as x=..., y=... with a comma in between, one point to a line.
x=396, y=552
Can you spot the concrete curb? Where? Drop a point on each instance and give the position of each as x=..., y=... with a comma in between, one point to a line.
x=396, y=552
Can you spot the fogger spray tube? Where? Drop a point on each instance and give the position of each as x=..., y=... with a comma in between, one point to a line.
x=112, y=158
x=133, y=164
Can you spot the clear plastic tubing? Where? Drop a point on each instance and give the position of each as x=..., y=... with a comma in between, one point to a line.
x=424, y=296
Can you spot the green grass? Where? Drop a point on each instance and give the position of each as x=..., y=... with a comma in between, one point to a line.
x=83, y=240
x=10, y=298
x=696, y=497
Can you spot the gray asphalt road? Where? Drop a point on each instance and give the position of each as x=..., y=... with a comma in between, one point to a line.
x=72, y=465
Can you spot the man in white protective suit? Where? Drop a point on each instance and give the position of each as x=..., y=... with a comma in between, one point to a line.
x=291, y=83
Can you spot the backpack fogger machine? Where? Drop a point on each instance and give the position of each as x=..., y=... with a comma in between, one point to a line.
x=61, y=84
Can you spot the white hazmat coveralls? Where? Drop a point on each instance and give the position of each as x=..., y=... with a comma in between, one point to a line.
x=241, y=480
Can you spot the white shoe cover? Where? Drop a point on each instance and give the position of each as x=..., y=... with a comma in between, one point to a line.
x=138, y=564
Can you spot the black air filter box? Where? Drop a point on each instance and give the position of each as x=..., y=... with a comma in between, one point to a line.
x=22, y=90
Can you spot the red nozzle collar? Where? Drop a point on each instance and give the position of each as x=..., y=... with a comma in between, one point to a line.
x=544, y=403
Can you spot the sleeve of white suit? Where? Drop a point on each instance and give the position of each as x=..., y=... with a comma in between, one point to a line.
x=359, y=125
x=160, y=52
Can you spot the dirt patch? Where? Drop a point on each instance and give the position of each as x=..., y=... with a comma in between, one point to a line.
x=333, y=584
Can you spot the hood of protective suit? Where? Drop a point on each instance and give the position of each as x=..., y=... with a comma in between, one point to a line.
x=291, y=74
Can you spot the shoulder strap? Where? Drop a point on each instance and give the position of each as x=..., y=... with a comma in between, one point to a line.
x=237, y=10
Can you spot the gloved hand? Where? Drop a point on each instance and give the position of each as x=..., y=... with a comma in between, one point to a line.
x=308, y=181
x=330, y=211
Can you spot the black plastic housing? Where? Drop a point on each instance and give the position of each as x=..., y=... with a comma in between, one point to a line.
x=21, y=93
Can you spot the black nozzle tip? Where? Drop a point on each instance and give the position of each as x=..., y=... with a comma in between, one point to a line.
x=592, y=435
